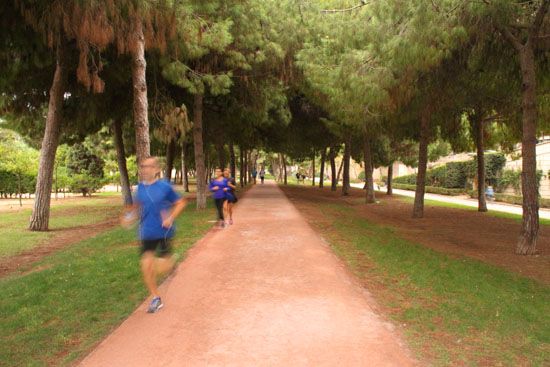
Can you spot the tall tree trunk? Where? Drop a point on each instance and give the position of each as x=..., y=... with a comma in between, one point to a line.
x=284, y=168
x=333, y=176
x=369, y=198
x=418, y=209
x=41, y=211
x=221, y=152
x=313, y=170
x=121, y=160
x=322, y=173
x=246, y=173
x=249, y=166
x=530, y=223
x=477, y=120
x=241, y=173
x=141, y=119
x=346, y=162
x=199, y=151
x=389, y=190
x=232, y=161
x=184, y=177
x=170, y=155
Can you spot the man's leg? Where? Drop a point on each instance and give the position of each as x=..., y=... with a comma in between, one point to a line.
x=164, y=265
x=148, y=271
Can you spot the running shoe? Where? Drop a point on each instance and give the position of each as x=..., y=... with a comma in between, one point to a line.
x=230, y=221
x=156, y=304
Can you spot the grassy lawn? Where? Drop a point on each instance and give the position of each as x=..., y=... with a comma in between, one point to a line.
x=453, y=311
x=56, y=313
x=15, y=237
x=516, y=217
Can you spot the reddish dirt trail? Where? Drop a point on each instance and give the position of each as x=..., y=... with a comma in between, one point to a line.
x=265, y=292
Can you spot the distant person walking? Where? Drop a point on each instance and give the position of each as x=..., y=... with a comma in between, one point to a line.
x=219, y=187
x=157, y=205
x=230, y=196
x=254, y=175
x=262, y=175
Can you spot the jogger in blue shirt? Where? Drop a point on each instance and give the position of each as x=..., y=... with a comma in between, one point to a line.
x=157, y=205
x=219, y=187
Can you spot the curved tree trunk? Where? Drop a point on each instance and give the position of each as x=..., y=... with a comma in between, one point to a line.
x=170, y=155
x=41, y=211
x=121, y=160
x=141, y=119
x=322, y=170
x=369, y=197
x=346, y=162
x=389, y=189
x=333, y=177
x=477, y=120
x=199, y=151
x=418, y=209
x=530, y=224
x=184, y=176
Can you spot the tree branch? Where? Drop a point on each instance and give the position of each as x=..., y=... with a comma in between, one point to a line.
x=539, y=18
x=361, y=4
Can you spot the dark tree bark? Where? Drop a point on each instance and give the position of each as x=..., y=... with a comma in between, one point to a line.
x=418, y=209
x=477, y=121
x=200, y=168
x=232, y=161
x=369, y=197
x=527, y=242
x=184, y=173
x=221, y=153
x=530, y=222
x=390, y=179
x=41, y=211
x=245, y=172
x=241, y=173
x=322, y=173
x=170, y=155
x=121, y=160
x=141, y=119
x=346, y=162
x=333, y=176
x=284, y=168
x=313, y=170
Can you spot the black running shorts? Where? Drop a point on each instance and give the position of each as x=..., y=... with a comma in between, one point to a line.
x=162, y=247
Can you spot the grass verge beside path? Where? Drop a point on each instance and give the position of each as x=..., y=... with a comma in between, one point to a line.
x=15, y=236
x=452, y=311
x=56, y=313
x=494, y=213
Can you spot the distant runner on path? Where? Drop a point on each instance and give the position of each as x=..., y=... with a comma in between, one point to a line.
x=218, y=186
x=231, y=197
x=157, y=205
x=262, y=175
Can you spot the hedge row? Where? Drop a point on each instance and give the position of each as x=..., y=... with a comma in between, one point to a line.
x=431, y=189
x=459, y=175
x=11, y=184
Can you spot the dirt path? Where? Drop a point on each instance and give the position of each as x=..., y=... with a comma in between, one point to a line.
x=265, y=292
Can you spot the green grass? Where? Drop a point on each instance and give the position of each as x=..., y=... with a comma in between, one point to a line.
x=456, y=311
x=56, y=313
x=516, y=217
x=15, y=237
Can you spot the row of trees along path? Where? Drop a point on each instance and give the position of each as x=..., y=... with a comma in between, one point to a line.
x=377, y=81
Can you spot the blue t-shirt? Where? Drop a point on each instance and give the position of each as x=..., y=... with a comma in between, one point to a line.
x=219, y=193
x=155, y=200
